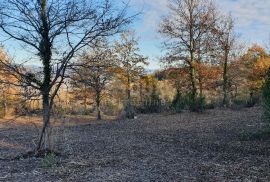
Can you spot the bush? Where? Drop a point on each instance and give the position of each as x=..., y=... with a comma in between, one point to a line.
x=266, y=97
x=238, y=104
x=111, y=108
x=129, y=110
x=78, y=110
x=48, y=161
x=210, y=105
x=263, y=134
x=196, y=105
x=253, y=99
x=153, y=103
x=179, y=102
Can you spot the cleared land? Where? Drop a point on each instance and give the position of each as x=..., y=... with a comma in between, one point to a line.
x=213, y=146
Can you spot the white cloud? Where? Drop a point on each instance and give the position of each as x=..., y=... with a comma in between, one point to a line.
x=248, y=12
x=252, y=17
x=152, y=11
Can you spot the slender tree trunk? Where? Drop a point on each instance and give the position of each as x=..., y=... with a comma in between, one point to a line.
x=193, y=78
x=236, y=92
x=129, y=95
x=192, y=62
x=128, y=89
x=200, y=79
x=141, y=92
x=85, y=101
x=130, y=114
x=225, y=80
x=200, y=87
x=98, y=105
x=44, y=140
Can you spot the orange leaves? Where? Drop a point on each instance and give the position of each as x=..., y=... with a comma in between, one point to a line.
x=255, y=64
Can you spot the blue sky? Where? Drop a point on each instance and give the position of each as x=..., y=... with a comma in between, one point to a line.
x=252, y=19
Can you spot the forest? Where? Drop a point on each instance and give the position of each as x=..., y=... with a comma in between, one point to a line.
x=81, y=101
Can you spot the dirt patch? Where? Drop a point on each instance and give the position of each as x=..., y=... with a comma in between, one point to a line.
x=183, y=147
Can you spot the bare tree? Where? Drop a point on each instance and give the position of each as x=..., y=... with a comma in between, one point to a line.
x=94, y=71
x=185, y=27
x=54, y=32
x=130, y=66
x=226, y=40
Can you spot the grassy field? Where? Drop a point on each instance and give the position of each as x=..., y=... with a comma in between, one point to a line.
x=218, y=145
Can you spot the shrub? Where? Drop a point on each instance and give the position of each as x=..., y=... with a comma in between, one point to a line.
x=179, y=102
x=111, y=108
x=266, y=97
x=238, y=103
x=48, y=161
x=210, y=105
x=197, y=104
x=262, y=134
x=129, y=110
x=254, y=99
x=152, y=103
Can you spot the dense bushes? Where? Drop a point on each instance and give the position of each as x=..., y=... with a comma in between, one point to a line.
x=178, y=103
x=266, y=97
x=130, y=110
x=245, y=102
x=152, y=103
x=197, y=105
x=150, y=106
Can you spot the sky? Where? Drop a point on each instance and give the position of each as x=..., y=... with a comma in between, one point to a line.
x=252, y=23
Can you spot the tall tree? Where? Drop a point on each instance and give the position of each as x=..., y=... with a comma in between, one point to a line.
x=94, y=70
x=130, y=65
x=185, y=27
x=255, y=66
x=54, y=32
x=226, y=40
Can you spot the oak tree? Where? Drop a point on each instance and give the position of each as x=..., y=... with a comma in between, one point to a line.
x=52, y=33
x=130, y=66
x=185, y=27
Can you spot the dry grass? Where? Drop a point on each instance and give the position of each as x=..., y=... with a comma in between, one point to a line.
x=183, y=147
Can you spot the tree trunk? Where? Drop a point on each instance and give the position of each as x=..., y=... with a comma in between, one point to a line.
x=141, y=92
x=200, y=79
x=45, y=55
x=130, y=113
x=225, y=80
x=44, y=140
x=193, y=84
x=98, y=105
x=192, y=62
x=85, y=103
x=193, y=78
x=200, y=87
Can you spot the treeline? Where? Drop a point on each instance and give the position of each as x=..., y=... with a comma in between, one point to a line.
x=101, y=83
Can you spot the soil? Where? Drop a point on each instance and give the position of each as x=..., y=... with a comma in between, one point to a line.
x=211, y=146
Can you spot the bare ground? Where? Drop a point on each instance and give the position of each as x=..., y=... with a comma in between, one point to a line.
x=182, y=147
